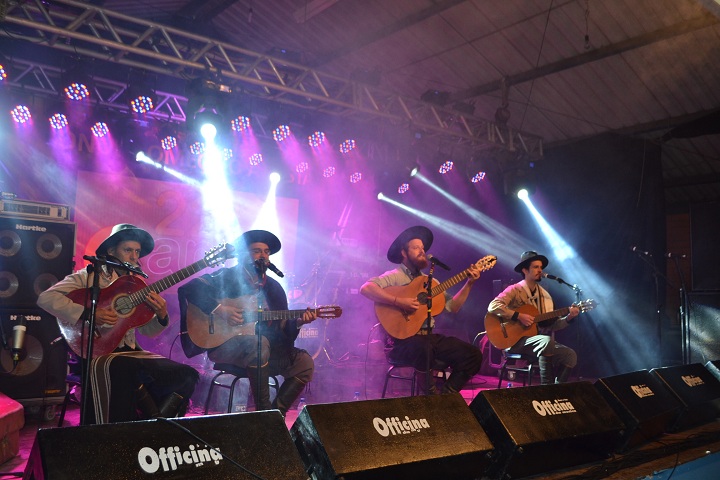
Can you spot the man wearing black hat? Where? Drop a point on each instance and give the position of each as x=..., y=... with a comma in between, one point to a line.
x=552, y=356
x=224, y=296
x=129, y=379
x=424, y=348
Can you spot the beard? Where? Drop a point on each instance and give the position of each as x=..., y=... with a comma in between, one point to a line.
x=420, y=262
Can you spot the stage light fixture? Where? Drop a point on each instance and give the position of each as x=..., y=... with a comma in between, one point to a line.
x=329, y=172
x=316, y=139
x=196, y=148
x=274, y=178
x=227, y=154
x=414, y=171
x=77, y=82
x=478, y=177
x=523, y=194
x=355, y=177
x=58, y=121
x=168, y=143
x=255, y=159
x=347, y=146
x=380, y=196
x=208, y=131
x=403, y=188
x=21, y=114
x=446, y=167
x=100, y=129
x=140, y=92
x=436, y=97
x=3, y=72
x=240, y=123
x=281, y=133
x=302, y=167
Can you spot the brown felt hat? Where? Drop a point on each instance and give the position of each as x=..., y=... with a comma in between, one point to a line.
x=394, y=253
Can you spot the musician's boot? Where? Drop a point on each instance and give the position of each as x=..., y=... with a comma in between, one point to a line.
x=289, y=391
x=260, y=387
x=455, y=382
x=546, y=370
x=145, y=403
x=564, y=375
x=171, y=406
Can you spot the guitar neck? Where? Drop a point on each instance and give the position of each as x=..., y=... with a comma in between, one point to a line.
x=454, y=280
x=550, y=315
x=164, y=283
x=270, y=315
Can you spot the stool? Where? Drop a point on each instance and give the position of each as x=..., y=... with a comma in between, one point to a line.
x=510, y=364
x=394, y=372
x=73, y=383
x=238, y=373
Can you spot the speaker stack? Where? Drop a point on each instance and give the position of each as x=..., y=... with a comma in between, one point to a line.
x=36, y=251
x=698, y=391
x=243, y=446
x=643, y=403
x=424, y=437
x=541, y=428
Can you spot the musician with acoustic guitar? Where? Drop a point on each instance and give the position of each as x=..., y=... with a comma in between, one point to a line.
x=401, y=307
x=127, y=383
x=515, y=315
x=220, y=314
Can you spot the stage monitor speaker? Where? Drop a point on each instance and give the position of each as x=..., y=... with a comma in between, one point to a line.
x=423, y=437
x=42, y=366
x=698, y=391
x=542, y=428
x=713, y=367
x=34, y=254
x=642, y=402
x=238, y=446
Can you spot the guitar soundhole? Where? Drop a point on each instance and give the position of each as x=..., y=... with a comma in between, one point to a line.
x=422, y=298
x=123, y=305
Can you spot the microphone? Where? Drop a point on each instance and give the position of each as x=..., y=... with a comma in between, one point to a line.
x=675, y=255
x=641, y=252
x=18, y=339
x=551, y=277
x=274, y=269
x=437, y=262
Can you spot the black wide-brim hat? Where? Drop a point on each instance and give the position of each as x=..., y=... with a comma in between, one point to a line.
x=255, y=236
x=123, y=232
x=394, y=253
x=528, y=257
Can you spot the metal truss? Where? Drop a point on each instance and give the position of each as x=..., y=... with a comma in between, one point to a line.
x=86, y=30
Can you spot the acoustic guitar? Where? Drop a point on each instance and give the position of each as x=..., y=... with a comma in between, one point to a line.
x=208, y=332
x=504, y=334
x=126, y=295
x=401, y=324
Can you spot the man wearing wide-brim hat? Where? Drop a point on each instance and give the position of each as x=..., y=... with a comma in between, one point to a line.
x=424, y=349
x=129, y=379
x=552, y=356
x=229, y=297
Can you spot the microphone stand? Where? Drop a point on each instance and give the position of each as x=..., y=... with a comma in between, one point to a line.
x=658, y=307
x=684, y=314
x=428, y=302
x=93, y=268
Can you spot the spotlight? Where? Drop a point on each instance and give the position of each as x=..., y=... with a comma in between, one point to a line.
x=446, y=167
x=302, y=167
x=403, y=188
x=58, y=121
x=77, y=91
x=522, y=194
x=77, y=82
x=227, y=154
x=478, y=177
x=255, y=159
x=208, y=131
x=347, y=146
x=21, y=114
x=380, y=196
x=140, y=93
x=316, y=139
x=3, y=72
x=240, y=124
x=355, y=177
x=274, y=178
x=142, y=104
x=414, y=172
x=281, y=133
x=196, y=148
x=329, y=172
x=100, y=129
x=168, y=143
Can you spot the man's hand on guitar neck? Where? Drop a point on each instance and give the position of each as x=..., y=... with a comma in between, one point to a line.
x=309, y=316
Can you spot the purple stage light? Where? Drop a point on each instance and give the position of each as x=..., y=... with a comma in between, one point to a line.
x=403, y=188
x=100, y=129
x=77, y=91
x=58, y=121
x=316, y=139
x=197, y=148
x=281, y=133
x=302, y=167
x=480, y=176
x=355, y=177
x=347, y=146
x=21, y=114
x=168, y=143
x=446, y=167
x=255, y=159
x=329, y=172
x=141, y=104
x=240, y=123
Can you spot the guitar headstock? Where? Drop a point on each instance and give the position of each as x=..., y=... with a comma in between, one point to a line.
x=218, y=254
x=486, y=263
x=328, y=311
x=586, y=305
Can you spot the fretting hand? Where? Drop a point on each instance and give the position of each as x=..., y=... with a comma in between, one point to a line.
x=157, y=304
